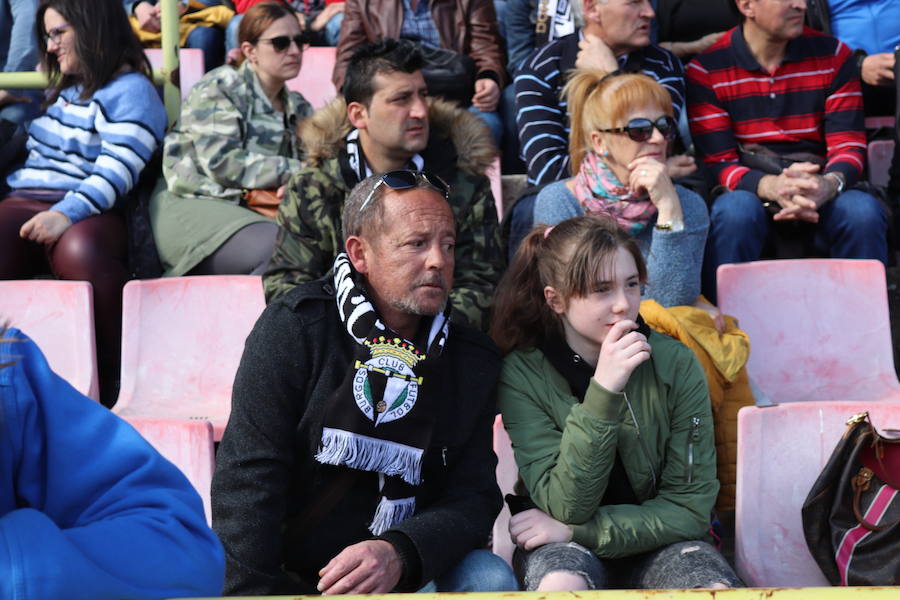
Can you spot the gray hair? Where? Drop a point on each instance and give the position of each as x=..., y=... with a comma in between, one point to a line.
x=358, y=218
x=578, y=11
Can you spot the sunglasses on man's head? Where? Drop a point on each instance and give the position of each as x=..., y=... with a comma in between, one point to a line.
x=641, y=130
x=282, y=42
x=405, y=180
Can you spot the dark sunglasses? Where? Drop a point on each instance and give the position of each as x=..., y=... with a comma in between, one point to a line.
x=641, y=130
x=282, y=42
x=404, y=180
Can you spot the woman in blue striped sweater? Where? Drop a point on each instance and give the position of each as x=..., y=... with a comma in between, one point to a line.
x=104, y=120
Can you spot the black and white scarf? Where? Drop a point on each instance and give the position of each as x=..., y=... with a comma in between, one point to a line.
x=381, y=417
x=357, y=161
x=555, y=19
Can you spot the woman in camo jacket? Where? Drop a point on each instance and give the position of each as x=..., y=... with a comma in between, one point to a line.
x=236, y=133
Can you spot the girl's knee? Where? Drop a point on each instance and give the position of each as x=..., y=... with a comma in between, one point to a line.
x=562, y=581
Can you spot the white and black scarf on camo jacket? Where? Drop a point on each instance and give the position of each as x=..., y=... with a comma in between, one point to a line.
x=357, y=161
x=381, y=417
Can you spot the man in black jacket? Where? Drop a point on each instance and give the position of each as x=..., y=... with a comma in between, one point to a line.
x=358, y=455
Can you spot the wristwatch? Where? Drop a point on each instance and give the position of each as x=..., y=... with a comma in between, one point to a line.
x=673, y=226
x=839, y=178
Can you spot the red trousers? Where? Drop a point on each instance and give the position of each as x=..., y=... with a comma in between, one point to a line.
x=93, y=250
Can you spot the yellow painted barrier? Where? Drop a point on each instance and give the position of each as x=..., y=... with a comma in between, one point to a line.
x=169, y=43
x=25, y=80
x=29, y=80
x=830, y=593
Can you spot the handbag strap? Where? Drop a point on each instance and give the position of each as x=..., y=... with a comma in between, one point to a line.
x=861, y=483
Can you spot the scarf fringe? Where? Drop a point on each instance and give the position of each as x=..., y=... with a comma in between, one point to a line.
x=365, y=453
x=391, y=512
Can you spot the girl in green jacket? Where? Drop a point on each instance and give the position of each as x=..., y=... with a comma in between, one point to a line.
x=610, y=423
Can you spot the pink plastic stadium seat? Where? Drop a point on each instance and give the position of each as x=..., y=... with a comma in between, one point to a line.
x=818, y=328
x=181, y=344
x=881, y=152
x=186, y=444
x=59, y=317
x=507, y=475
x=496, y=186
x=314, y=79
x=781, y=451
x=879, y=122
x=190, y=66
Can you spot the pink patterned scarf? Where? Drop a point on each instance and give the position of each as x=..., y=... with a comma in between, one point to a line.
x=601, y=193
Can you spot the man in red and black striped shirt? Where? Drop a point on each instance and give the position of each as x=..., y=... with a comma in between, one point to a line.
x=773, y=83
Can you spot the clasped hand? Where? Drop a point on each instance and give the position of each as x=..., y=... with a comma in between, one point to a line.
x=532, y=528
x=799, y=190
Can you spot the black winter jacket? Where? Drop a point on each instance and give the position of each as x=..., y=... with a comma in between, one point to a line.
x=266, y=476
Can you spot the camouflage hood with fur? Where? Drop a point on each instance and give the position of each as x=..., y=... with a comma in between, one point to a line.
x=322, y=135
x=460, y=149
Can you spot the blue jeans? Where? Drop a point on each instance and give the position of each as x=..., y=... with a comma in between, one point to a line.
x=211, y=40
x=231, y=32
x=21, y=113
x=333, y=29
x=478, y=571
x=500, y=10
x=521, y=223
x=852, y=225
x=493, y=121
x=510, y=155
x=18, y=52
x=18, y=44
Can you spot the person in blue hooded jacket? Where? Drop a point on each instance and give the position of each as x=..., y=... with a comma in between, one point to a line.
x=88, y=509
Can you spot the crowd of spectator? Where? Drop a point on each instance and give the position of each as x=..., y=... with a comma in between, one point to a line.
x=659, y=141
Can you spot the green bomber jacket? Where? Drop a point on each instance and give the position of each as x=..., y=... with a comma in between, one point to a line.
x=661, y=426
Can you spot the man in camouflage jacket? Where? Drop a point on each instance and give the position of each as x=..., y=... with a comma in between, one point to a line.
x=458, y=149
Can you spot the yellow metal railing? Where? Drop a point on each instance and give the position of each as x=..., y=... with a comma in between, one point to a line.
x=169, y=72
x=832, y=593
x=167, y=77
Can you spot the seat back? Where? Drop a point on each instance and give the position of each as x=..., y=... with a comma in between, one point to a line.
x=314, y=78
x=781, y=451
x=190, y=66
x=507, y=475
x=182, y=341
x=189, y=446
x=818, y=328
x=59, y=317
x=881, y=153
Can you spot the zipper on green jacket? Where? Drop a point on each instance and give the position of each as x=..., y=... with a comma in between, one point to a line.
x=637, y=429
x=692, y=438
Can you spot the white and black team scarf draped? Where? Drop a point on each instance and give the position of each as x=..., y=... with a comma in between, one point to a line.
x=357, y=161
x=555, y=19
x=381, y=417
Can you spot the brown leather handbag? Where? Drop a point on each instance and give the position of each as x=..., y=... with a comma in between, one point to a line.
x=851, y=517
x=265, y=202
